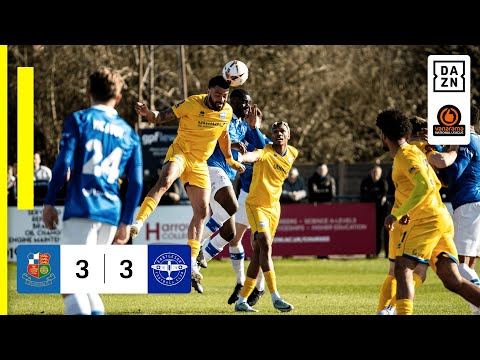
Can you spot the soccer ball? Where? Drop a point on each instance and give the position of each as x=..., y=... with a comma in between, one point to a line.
x=235, y=72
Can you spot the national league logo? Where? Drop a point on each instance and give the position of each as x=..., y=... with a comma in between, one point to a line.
x=449, y=99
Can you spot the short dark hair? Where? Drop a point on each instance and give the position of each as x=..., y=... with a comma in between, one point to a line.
x=218, y=81
x=394, y=124
x=418, y=124
x=239, y=93
x=277, y=124
x=474, y=115
x=105, y=84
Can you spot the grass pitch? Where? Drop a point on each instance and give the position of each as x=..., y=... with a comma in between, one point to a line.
x=314, y=286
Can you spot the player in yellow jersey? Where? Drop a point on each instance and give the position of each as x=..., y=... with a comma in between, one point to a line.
x=439, y=160
x=428, y=238
x=203, y=120
x=271, y=168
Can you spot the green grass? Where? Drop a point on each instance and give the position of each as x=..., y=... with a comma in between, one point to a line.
x=315, y=287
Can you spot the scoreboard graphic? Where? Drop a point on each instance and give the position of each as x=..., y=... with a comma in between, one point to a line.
x=104, y=269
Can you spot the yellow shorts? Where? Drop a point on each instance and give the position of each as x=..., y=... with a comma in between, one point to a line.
x=192, y=171
x=426, y=239
x=263, y=219
x=394, y=238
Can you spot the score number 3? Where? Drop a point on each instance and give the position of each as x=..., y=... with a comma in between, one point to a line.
x=84, y=268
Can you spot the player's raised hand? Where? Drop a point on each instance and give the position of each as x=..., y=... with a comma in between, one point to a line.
x=50, y=217
x=253, y=117
x=122, y=235
x=141, y=109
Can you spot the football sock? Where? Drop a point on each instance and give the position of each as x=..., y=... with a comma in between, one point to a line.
x=271, y=281
x=237, y=257
x=404, y=307
x=246, y=289
x=77, y=304
x=96, y=304
x=215, y=222
x=469, y=274
x=260, y=281
x=387, y=292
x=147, y=207
x=195, y=245
x=417, y=281
x=213, y=247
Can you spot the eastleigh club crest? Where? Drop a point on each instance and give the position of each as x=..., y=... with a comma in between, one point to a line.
x=38, y=268
x=169, y=269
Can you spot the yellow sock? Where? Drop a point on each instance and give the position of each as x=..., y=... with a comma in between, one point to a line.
x=147, y=207
x=404, y=307
x=248, y=287
x=417, y=281
x=271, y=281
x=387, y=292
x=195, y=245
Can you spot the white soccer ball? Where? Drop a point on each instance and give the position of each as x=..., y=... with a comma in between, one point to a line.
x=235, y=72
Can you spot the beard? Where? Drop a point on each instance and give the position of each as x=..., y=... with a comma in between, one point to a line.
x=385, y=147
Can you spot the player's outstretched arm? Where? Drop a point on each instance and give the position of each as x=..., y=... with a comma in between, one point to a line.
x=250, y=157
x=68, y=143
x=254, y=121
x=441, y=160
x=225, y=147
x=155, y=117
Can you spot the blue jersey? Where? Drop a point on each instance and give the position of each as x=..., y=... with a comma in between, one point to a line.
x=246, y=176
x=464, y=173
x=98, y=146
x=239, y=131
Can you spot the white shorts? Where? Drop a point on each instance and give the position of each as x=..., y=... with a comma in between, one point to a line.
x=241, y=214
x=449, y=207
x=218, y=180
x=79, y=231
x=466, y=219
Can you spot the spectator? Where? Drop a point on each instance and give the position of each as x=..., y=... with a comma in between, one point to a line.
x=322, y=185
x=293, y=190
x=12, y=187
x=374, y=189
x=41, y=172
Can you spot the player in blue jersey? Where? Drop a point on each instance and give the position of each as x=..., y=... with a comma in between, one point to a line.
x=97, y=145
x=223, y=201
x=464, y=188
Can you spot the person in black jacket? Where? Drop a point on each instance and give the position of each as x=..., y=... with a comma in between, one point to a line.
x=321, y=185
x=374, y=189
x=293, y=189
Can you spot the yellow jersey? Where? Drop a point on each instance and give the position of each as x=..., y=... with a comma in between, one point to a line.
x=200, y=127
x=269, y=173
x=426, y=148
x=411, y=168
